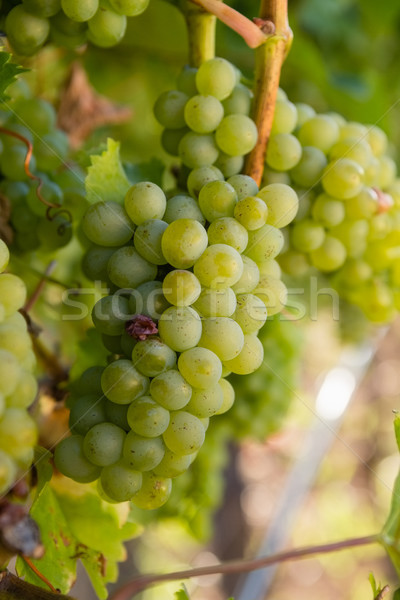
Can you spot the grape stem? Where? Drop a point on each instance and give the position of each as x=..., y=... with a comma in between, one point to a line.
x=268, y=64
x=253, y=33
x=142, y=582
x=201, y=33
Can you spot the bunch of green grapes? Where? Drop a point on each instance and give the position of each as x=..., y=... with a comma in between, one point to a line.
x=192, y=281
x=68, y=23
x=206, y=119
x=32, y=186
x=18, y=386
x=348, y=224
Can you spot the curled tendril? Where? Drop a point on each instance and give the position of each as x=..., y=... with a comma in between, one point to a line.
x=51, y=217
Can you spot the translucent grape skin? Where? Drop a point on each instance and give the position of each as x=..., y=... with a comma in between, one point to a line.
x=107, y=224
x=180, y=328
x=219, y=266
x=103, y=444
x=183, y=242
x=154, y=492
x=223, y=336
x=203, y=114
x=217, y=199
x=216, y=77
x=120, y=482
x=122, y=383
x=200, y=367
x=185, y=433
x=152, y=357
x=181, y=288
x=147, y=418
x=236, y=135
x=144, y=201
x=170, y=390
x=71, y=461
x=143, y=454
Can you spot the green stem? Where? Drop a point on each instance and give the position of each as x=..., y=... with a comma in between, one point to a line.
x=269, y=60
x=142, y=582
x=201, y=33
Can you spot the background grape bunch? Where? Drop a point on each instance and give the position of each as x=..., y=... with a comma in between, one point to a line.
x=201, y=274
x=18, y=386
x=68, y=23
x=348, y=224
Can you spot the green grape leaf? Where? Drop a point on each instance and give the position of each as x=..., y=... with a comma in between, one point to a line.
x=396, y=595
x=397, y=429
x=390, y=534
x=106, y=179
x=151, y=170
x=76, y=524
x=182, y=594
x=8, y=74
x=44, y=469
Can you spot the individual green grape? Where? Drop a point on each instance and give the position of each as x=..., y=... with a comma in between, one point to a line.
x=199, y=177
x=8, y=472
x=110, y=314
x=285, y=117
x=106, y=28
x=169, y=109
x=25, y=391
x=200, y=367
x=68, y=33
x=228, y=396
x=353, y=148
x=71, y=461
x=377, y=140
x=327, y=211
x=122, y=383
x=251, y=212
x=294, y=263
x=183, y=242
x=185, y=433
x=282, y=202
x=387, y=171
x=219, y=266
x=264, y=243
x=186, y=81
x=304, y=113
x=107, y=224
x=203, y=114
x=144, y=201
x=271, y=176
x=170, y=139
x=170, y=390
x=90, y=381
x=343, y=179
x=239, y=101
x=54, y=234
x=87, y=412
x=362, y=206
x=197, y=150
x=103, y=444
x=40, y=115
x=120, y=482
x=173, y=464
x=95, y=261
x=4, y=256
x=223, y=336
x=154, y=492
x=270, y=267
x=143, y=454
x=229, y=165
x=249, y=359
x=205, y=403
x=244, y=186
x=147, y=241
x=284, y=152
x=116, y=413
x=249, y=279
x=147, y=418
x=180, y=328
x=330, y=255
x=12, y=293
x=354, y=130
x=181, y=288
x=130, y=8
x=353, y=234
x=183, y=207
x=26, y=32
x=216, y=77
x=309, y=169
x=354, y=273
x=42, y=8
x=371, y=173
x=216, y=302
x=227, y=230
x=18, y=432
x=148, y=299
x=250, y=314
x=152, y=357
x=320, y=131
x=236, y=135
x=307, y=235
x=80, y=11
x=217, y=199
x=128, y=269
x=377, y=302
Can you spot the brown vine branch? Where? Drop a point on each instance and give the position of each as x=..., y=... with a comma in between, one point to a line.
x=384, y=591
x=142, y=582
x=251, y=32
x=14, y=588
x=269, y=60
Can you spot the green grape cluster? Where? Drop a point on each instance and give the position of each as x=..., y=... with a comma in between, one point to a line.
x=18, y=386
x=69, y=23
x=35, y=226
x=348, y=224
x=192, y=280
x=206, y=119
